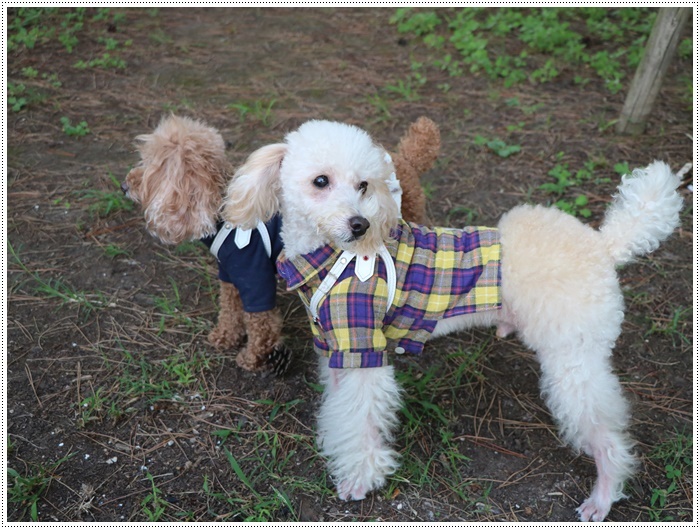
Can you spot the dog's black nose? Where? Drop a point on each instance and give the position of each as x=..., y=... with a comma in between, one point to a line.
x=125, y=187
x=358, y=226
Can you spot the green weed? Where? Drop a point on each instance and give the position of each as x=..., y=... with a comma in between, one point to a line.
x=19, y=96
x=106, y=61
x=57, y=289
x=565, y=179
x=90, y=408
x=15, y=96
x=674, y=327
x=404, y=89
x=104, y=203
x=497, y=145
x=25, y=491
x=153, y=505
x=113, y=251
x=466, y=215
x=428, y=461
x=381, y=107
x=81, y=129
x=259, y=109
x=676, y=456
x=278, y=407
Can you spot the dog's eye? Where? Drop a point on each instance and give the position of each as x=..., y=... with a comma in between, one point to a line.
x=362, y=187
x=321, y=181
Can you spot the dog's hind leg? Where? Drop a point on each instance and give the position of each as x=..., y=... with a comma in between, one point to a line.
x=586, y=400
x=355, y=426
x=229, y=332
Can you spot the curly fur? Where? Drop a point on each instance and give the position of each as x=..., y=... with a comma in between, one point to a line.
x=416, y=154
x=179, y=179
x=179, y=183
x=560, y=293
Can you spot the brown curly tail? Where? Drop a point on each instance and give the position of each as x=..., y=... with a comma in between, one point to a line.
x=421, y=144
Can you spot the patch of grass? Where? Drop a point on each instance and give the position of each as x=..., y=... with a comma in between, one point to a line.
x=674, y=326
x=113, y=251
x=106, y=61
x=81, y=129
x=554, y=40
x=381, y=107
x=405, y=90
x=273, y=455
x=260, y=110
x=153, y=381
x=29, y=27
x=104, y=203
x=90, y=408
x=428, y=189
x=497, y=145
x=20, y=96
x=676, y=456
x=428, y=455
x=25, y=491
x=565, y=180
x=466, y=215
x=153, y=505
x=158, y=36
x=56, y=289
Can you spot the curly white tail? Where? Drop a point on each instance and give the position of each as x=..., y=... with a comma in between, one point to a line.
x=644, y=212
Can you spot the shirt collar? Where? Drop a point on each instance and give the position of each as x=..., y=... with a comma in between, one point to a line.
x=302, y=268
x=299, y=270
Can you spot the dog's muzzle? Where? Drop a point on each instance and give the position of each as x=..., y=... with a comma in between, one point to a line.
x=125, y=188
x=358, y=226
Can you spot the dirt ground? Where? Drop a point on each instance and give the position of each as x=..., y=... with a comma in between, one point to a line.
x=119, y=410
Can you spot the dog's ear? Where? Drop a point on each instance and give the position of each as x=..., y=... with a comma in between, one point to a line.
x=387, y=209
x=253, y=194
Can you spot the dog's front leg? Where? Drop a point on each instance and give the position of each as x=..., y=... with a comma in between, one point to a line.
x=265, y=350
x=355, y=427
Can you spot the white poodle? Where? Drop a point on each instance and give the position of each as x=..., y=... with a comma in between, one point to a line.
x=374, y=284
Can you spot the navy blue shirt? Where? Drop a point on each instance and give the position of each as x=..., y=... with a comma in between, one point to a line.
x=250, y=269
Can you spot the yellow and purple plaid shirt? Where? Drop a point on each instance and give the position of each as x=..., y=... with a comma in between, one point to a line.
x=440, y=272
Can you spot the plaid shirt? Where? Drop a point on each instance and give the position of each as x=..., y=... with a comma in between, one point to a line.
x=440, y=272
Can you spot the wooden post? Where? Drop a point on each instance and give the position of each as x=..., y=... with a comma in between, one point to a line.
x=647, y=80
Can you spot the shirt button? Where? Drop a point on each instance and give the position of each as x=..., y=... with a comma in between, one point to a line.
x=399, y=350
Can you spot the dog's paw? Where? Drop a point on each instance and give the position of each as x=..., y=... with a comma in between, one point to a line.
x=225, y=338
x=279, y=359
x=593, y=510
x=352, y=490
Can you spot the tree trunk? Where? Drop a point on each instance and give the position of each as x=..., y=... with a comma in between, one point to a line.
x=647, y=80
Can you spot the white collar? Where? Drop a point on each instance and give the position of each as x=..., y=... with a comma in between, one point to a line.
x=241, y=239
x=364, y=269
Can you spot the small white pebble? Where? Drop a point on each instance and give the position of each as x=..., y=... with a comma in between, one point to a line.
x=87, y=456
x=60, y=445
x=111, y=460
